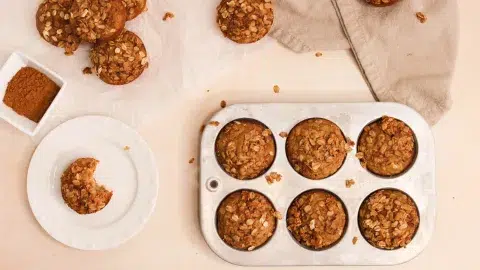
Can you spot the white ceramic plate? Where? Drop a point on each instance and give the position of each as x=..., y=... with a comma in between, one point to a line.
x=130, y=174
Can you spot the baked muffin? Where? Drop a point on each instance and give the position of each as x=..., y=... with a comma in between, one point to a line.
x=386, y=147
x=317, y=219
x=119, y=61
x=388, y=219
x=98, y=19
x=79, y=189
x=134, y=8
x=53, y=24
x=245, y=149
x=381, y=3
x=316, y=148
x=245, y=21
x=246, y=220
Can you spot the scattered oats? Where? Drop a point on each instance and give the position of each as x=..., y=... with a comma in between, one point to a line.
x=276, y=89
x=214, y=123
x=318, y=54
x=421, y=17
x=168, y=15
x=126, y=148
x=283, y=134
x=223, y=104
x=349, y=183
x=354, y=240
x=273, y=177
x=251, y=248
x=191, y=160
x=87, y=70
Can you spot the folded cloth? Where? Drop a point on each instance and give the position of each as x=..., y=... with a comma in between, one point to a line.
x=402, y=59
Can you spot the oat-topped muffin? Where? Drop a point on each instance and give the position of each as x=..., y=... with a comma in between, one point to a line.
x=316, y=148
x=98, y=19
x=245, y=149
x=381, y=3
x=388, y=219
x=317, y=219
x=119, y=61
x=79, y=189
x=245, y=21
x=386, y=147
x=246, y=220
x=53, y=24
x=134, y=8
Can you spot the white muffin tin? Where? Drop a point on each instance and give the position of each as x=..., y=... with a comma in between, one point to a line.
x=282, y=249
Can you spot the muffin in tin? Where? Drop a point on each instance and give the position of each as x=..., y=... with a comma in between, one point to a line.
x=317, y=219
x=246, y=220
x=387, y=147
x=388, y=219
x=245, y=149
x=316, y=148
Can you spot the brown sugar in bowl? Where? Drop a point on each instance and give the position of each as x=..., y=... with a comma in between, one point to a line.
x=316, y=148
x=246, y=220
x=245, y=149
x=388, y=219
x=317, y=219
x=387, y=147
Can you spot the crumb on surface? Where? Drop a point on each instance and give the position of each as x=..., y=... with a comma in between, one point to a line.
x=87, y=70
x=168, y=15
x=349, y=183
x=126, y=148
x=273, y=177
x=283, y=134
x=223, y=104
x=276, y=89
x=354, y=240
x=191, y=160
x=214, y=123
x=318, y=54
x=421, y=17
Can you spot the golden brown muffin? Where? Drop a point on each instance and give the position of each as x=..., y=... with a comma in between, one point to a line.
x=245, y=149
x=119, y=61
x=316, y=148
x=245, y=21
x=317, y=219
x=98, y=19
x=381, y=3
x=246, y=220
x=79, y=189
x=386, y=147
x=388, y=219
x=53, y=24
x=134, y=8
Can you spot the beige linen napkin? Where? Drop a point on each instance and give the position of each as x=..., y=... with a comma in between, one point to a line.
x=402, y=59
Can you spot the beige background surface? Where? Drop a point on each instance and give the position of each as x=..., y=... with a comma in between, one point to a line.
x=172, y=238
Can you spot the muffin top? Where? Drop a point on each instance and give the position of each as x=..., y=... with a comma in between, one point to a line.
x=386, y=147
x=79, y=189
x=316, y=148
x=245, y=149
x=388, y=219
x=317, y=219
x=246, y=220
x=245, y=21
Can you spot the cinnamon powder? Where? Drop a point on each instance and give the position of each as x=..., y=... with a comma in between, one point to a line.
x=30, y=93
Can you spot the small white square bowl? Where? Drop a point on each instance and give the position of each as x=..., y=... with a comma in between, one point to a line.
x=15, y=62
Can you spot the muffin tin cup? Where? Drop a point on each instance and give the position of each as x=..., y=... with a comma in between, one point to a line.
x=418, y=182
